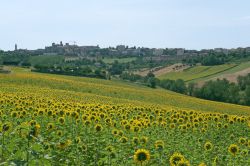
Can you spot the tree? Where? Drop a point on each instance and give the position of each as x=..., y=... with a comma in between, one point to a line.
x=152, y=82
x=191, y=88
x=116, y=68
x=247, y=95
x=233, y=94
x=150, y=74
x=243, y=81
x=179, y=86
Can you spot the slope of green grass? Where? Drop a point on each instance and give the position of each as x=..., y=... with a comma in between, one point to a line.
x=236, y=68
x=90, y=90
x=197, y=72
x=46, y=59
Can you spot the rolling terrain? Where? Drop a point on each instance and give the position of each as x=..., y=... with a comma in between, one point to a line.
x=48, y=119
x=104, y=91
x=201, y=74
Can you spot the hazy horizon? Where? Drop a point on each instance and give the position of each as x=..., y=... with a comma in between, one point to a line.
x=190, y=24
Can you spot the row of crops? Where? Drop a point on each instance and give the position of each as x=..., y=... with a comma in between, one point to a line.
x=197, y=72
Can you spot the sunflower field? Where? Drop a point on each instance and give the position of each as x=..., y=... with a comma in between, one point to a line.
x=50, y=127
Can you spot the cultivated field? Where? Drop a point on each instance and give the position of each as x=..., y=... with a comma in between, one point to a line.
x=63, y=120
x=197, y=72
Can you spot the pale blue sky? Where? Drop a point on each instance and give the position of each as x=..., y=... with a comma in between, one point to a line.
x=192, y=24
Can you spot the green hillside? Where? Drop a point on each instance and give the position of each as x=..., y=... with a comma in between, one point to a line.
x=104, y=91
x=203, y=73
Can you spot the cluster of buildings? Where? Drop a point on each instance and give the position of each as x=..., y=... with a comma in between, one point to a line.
x=157, y=54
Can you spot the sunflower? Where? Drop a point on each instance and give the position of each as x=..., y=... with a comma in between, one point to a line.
x=120, y=133
x=159, y=145
x=6, y=127
x=141, y=156
x=208, y=146
x=176, y=158
x=77, y=140
x=14, y=114
x=34, y=131
x=50, y=126
x=135, y=140
x=98, y=128
x=202, y=164
x=144, y=140
x=233, y=149
x=183, y=163
x=203, y=130
x=115, y=132
x=136, y=129
x=110, y=149
x=50, y=113
x=61, y=120
x=123, y=139
x=242, y=140
x=59, y=133
x=82, y=148
x=33, y=123
x=244, y=152
x=172, y=125
x=64, y=144
x=127, y=127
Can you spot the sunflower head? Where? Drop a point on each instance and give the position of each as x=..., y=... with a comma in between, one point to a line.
x=159, y=145
x=14, y=114
x=61, y=120
x=141, y=156
x=233, y=149
x=98, y=128
x=115, y=132
x=136, y=129
x=50, y=126
x=245, y=152
x=208, y=146
x=59, y=133
x=183, y=163
x=77, y=140
x=202, y=164
x=176, y=158
x=136, y=140
x=123, y=139
x=6, y=127
x=110, y=149
x=144, y=140
x=64, y=144
x=82, y=148
x=242, y=140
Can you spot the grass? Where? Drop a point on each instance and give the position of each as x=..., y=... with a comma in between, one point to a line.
x=197, y=72
x=236, y=68
x=46, y=59
x=120, y=60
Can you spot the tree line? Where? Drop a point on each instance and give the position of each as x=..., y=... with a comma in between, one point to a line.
x=217, y=90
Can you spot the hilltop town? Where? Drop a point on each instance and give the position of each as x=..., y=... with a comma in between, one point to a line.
x=155, y=54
